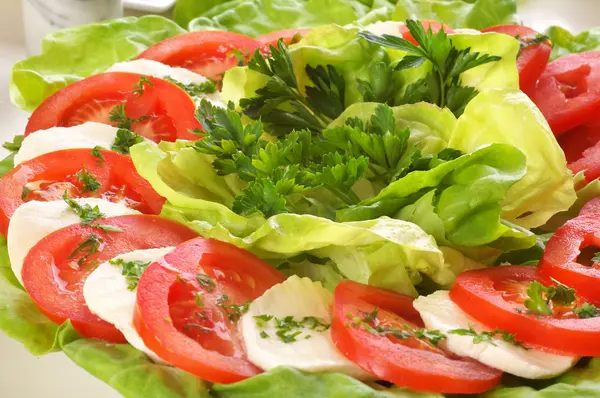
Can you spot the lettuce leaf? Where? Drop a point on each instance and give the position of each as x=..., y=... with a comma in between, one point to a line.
x=73, y=54
x=565, y=43
x=475, y=14
x=257, y=17
x=509, y=117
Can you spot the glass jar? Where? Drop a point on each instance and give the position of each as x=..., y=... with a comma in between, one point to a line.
x=41, y=17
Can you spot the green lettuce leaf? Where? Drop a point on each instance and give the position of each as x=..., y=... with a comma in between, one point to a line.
x=257, y=17
x=564, y=42
x=475, y=14
x=509, y=117
x=73, y=54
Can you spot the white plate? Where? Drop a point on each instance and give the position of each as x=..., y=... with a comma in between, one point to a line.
x=25, y=376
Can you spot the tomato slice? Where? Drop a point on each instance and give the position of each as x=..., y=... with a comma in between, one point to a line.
x=56, y=268
x=49, y=176
x=574, y=142
x=560, y=259
x=159, y=110
x=189, y=304
x=495, y=297
x=208, y=53
x=289, y=36
x=410, y=362
x=590, y=208
x=568, y=92
x=435, y=27
x=532, y=59
x=589, y=163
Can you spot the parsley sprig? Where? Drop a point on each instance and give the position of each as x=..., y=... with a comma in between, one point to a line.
x=542, y=299
x=488, y=336
x=132, y=270
x=442, y=86
x=288, y=329
x=195, y=89
x=15, y=145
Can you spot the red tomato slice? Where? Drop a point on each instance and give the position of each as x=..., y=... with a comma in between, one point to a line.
x=589, y=163
x=560, y=259
x=575, y=142
x=164, y=111
x=495, y=297
x=427, y=24
x=568, y=92
x=532, y=60
x=289, y=36
x=591, y=207
x=47, y=177
x=189, y=304
x=411, y=362
x=55, y=270
x=207, y=53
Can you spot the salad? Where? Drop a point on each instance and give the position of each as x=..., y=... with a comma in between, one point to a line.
x=365, y=208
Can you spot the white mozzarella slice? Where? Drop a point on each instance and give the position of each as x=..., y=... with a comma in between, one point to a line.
x=439, y=312
x=300, y=298
x=107, y=294
x=160, y=70
x=33, y=220
x=87, y=135
x=466, y=31
x=391, y=28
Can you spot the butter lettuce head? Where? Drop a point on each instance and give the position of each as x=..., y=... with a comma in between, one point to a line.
x=476, y=14
x=73, y=54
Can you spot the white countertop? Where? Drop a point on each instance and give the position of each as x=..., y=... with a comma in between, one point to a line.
x=25, y=376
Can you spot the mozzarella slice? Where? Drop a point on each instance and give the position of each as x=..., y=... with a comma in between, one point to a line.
x=160, y=70
x=33, y=220
x=87, y=135
x=107, y=294
x=391, y=28
x=439, y=312
x=300, y=298
x=466, y=31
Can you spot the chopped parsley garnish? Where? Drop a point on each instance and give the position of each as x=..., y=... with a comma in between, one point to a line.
x=88, y=181
x=234, y=311
x=132, y=270
x=15, y=145
x=138, y=88
x=287, y=329
x=97, y=154
x=118, y=116
x=488, y=337
x=596, y=258
x=206, y=282
x=195, y=89
x=87, y=214
x=124, y=140
x=26, y=191
x=442, y=86
x=542, y=300
x=369, y=323
x=199, y=299
x=524, y=43
x=88, y=247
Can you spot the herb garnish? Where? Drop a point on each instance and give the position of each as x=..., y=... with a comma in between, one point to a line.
x=542, y=299
x=195, y=89
x=132, y=270
x=138, y=88
x=88, y=247
x=124, y=140
x=488, y=337
x=15, y=145
x=26, y=191
x=587, y=310
x=369, y=323
x=233, y=311
x=524, y=43
x=97, y=154
x=118, y=116
x=206, y=282
x=88, y=181
x=288, y=329
x=442, y=86
x=596, y=258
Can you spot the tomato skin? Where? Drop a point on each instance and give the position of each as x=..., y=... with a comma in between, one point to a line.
x=574, y=142
x=116, y=171
x=288, y=36
x=404, y=365
x=532, y=60
x=161, y=100
x=568, y=92
x=236, y=273
x=590, y=208
x=475, y=293
x=204, y=52
x=560, y=257
x=435, y=27
x=49, y=260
